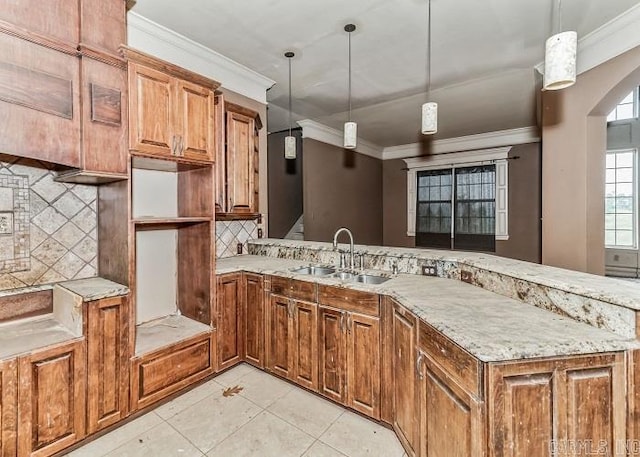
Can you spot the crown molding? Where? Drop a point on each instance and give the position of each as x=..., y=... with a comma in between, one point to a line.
x=607, y=41
x=325, y=134
x=487, y=140
x=157, y=40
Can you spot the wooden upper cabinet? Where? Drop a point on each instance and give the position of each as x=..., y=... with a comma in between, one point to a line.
x=8, y=408
x=240, y=163
x=195, y=105
x=107, y=362
x=230, y=322
x=103, y=25
x=151, y=111
x=51, y=399
x=171, y=110
x=237, y=191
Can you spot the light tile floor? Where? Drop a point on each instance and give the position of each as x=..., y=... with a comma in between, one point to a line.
x=269, y=417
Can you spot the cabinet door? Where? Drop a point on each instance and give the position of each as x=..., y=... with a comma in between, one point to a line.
x=195, y=121
x=363, y=364
x=548, y=408
x=230, y=329
x=331, y=353
x=305, y=344
x=107, y=363
x=39, y=100
x=221, y=156
x=51, y=399
x=451, y=422
x=151, y=111
x=240, y=168
x=254, y=319
x=279, y=354
x=405, y=416
x=8, y=408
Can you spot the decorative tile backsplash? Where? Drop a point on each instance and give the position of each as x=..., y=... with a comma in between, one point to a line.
x=229, y=234
x=48, y=230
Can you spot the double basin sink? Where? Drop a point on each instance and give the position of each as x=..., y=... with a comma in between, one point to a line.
x=344, y=275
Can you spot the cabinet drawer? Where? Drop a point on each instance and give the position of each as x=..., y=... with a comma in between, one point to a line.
x=169, y=370
x=349, y=300
x=300, y=290
x=462, y=366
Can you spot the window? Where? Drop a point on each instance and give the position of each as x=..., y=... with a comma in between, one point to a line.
x=620, y=199
x=626, y=109
x=464, y=195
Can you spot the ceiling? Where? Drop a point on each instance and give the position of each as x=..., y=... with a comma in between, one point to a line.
x=482, y=61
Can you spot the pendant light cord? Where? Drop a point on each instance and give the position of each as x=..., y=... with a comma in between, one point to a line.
x=429, y=48
x=349, y=76
x=289, y=96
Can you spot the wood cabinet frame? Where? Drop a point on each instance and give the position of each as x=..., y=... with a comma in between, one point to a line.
x=8, y=408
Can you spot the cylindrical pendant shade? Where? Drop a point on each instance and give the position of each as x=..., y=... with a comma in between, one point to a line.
x=289, y=147
x=429, y=118
x=350, y=135
x=560, y=61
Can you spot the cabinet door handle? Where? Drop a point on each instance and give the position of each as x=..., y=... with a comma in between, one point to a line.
x=349, y=324
x=419, y=359
x=180, y=145
x=173, y=145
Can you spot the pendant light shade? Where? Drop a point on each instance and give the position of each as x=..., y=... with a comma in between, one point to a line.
x=429, y=109
x=429, y=118
x=560, y=61
x=290, y=140
x=350, y=135
x=350, y=127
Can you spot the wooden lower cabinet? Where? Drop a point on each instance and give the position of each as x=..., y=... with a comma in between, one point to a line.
x=292, y=347
x=569, y=406
x=280, y=330
x=405, y=396
x=156, y=375
x=8, y=408
x=304, y=343
x=51, y=399
x=349, y=359
x=253, y=312
x=332, y=354
x=230, y=322
x=633, y=406
x=451, y=419
x=107, y=362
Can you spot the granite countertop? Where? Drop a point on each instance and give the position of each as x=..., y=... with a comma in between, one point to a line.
x=94, y=288
x=489, y=326
x=615, y=291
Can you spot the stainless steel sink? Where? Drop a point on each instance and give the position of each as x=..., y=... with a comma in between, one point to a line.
x=314, y=271
x=343, y=275
x=371, y=279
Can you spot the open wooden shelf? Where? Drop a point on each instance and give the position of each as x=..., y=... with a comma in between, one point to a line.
x=166, y=331
x=168, y=222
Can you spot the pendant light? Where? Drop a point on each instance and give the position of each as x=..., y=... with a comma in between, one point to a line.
x=350, y=128
x=289, y=141
x=429, y=109
x=560, y=56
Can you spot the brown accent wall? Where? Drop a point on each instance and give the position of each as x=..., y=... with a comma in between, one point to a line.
x=341, y=188
x=524, y=204
x=285, y=184
x=394, y=204
x=574, y=143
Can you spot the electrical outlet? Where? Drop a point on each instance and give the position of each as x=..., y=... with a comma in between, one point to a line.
x=466, y=276
x=259, y=233
x=239, y=248
x=429, y=270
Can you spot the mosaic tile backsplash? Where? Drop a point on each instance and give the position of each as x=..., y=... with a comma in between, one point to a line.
x=229, y=234
x=47, y=229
